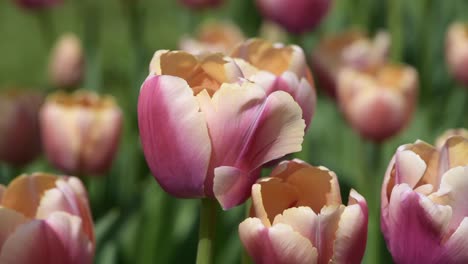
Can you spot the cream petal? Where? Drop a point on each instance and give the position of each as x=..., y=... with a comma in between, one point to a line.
x=409, y=167
x=302, y=219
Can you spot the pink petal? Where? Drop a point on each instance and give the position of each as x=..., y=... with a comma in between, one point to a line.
x=351, y=236
x=9, y=220
x=248, y=129
x=174, y=135
x=457, y=246
x=276, y=245
x=412, y=224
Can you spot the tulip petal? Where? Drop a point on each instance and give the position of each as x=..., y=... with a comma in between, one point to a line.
x=2, y=190
x=454, y=153
x=327, y=224
x=409, y=167
x=276, y=245
x=456, y=247
x=9, y=220
x=24, y=193
x=351, y=236
x=302, y=219
x=174, y=135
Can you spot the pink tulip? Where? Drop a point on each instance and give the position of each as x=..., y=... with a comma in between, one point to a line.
x=424, y=215
x=37, y=4
x=19, y=127
x=201, y=4
x=349, y=49
x=213, y=37
x=45, y=220
x=297, y=16
x=298, y=217
x=378, y=103
x=456, y=51
x=67, y=63
x=204, y=135
x=81, y=132
x=277, y=67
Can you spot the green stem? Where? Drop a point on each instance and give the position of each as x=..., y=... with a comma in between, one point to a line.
x=206, y=231
x=46, y=27
x=90, y=15
x=394, y=24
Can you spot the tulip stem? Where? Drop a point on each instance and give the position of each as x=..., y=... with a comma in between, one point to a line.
x=394, y=24
x=206, y=231
x=46, y=27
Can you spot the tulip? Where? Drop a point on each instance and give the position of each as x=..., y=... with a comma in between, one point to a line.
x=37, y=4
x=349, y=49
x=66, y=66
x=201, y=4
x=378, y=103
x=205, y=132
x=456, y=51
x=440, y=141
x=424, y=217
x=213, y=37
x=81, y=132
x=272, y=32
x=19, y=127
x=298, y=217
x=46, y=220
x=297, y=16
x=277, y=67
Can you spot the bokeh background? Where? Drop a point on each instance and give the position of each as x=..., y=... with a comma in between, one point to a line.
x=137, y=222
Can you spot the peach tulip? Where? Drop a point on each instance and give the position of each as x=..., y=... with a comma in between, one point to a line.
x=45, y=220
x=19, y=127
x=349, y=49
x=213, y=37
x=378, y=103
x=206, y=132
x=201, y=4
x=81, y=132
x=298, y=217
x=66, y=67
x=456, y=51
x=297, y=16
x=279, y=67
x=424, y=217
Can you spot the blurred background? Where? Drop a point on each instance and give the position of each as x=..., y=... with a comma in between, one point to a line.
x=135, y=220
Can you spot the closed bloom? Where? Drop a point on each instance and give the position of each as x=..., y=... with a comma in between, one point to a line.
x=201, y=4
x=349, y=49
x=380, y=102
x=424, y=213
x=213, y=37
x=277, y=67
x=37, y=4
x=456, y=51
x=81, y=132
x=19, y=127
x=297, y=16
x=298, y=217
x=204, y=135
x=66, y=67
x=45, y=219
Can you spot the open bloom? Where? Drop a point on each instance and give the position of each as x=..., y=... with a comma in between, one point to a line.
x=201, y=4
x=424, y=215
x=81, y=132
x=349, y=49
x=66, y=66
x=456, y=51
x=212, y=37
x=380, y=102
x=298, y=217
x=45, y=219
x=297, y=16
x=204, y=136
x=277, y=67
x=19, y=127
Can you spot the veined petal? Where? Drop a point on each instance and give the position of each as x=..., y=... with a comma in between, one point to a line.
x=174, y=135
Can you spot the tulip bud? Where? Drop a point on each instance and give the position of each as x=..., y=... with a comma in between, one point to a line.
x=81, y=132
x=201, y=4
x=378, y=103
x=350, y=49
x=45, y=219
x=37, y=4
x=297, y=217
x=205, y=132
x=213, y=37
x=272, y=32
x=277, y=67
x=424, y=217
x=19, y=127
x=66, y=66
x=297, y=16
x=440, y=141
x=456, y=51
